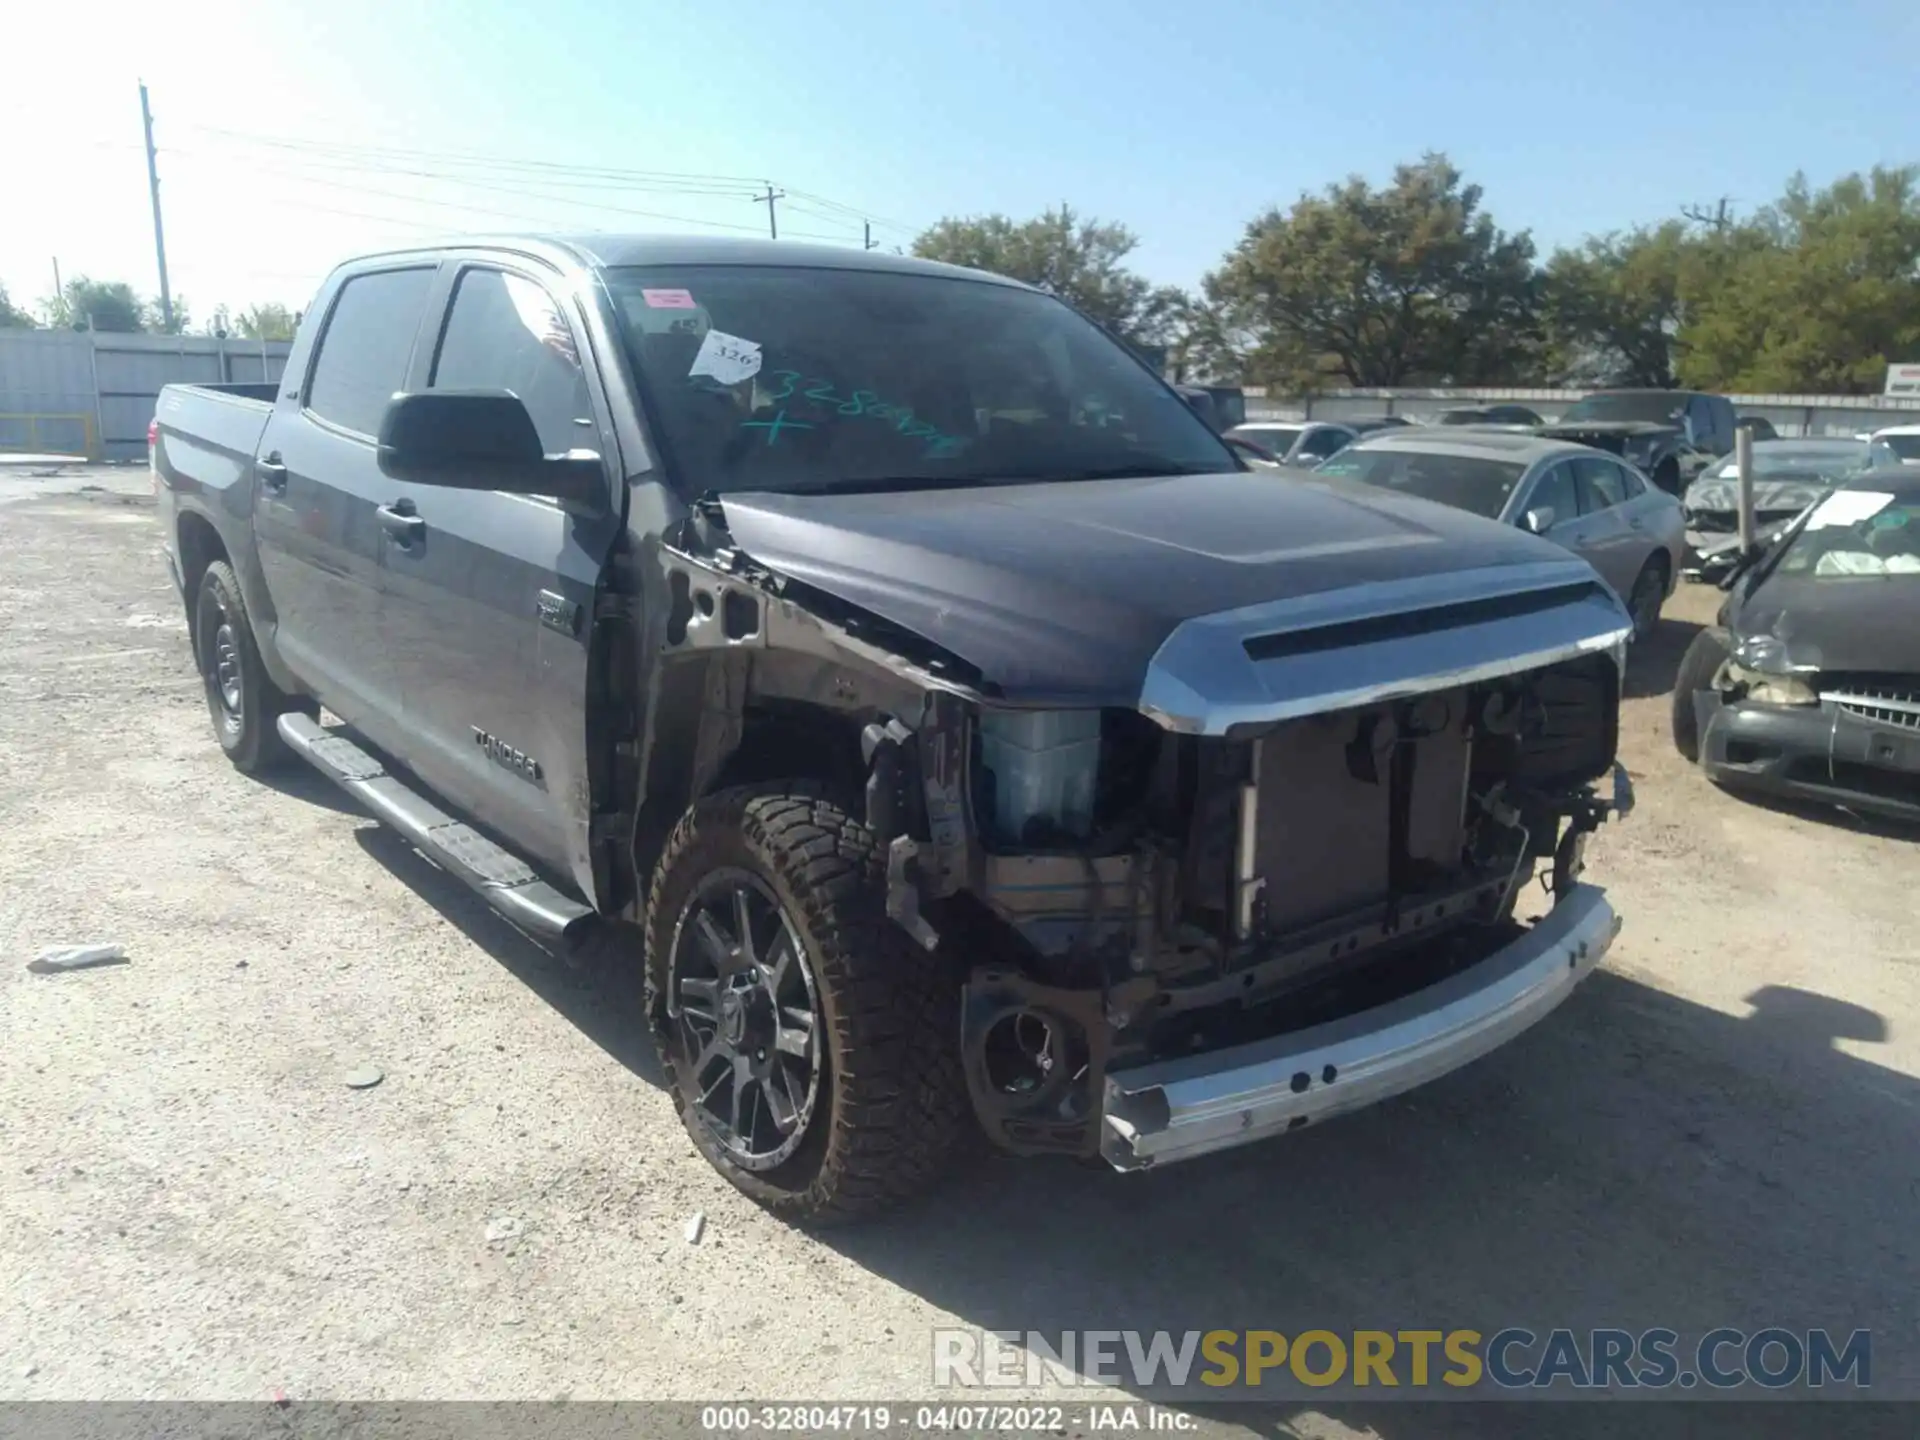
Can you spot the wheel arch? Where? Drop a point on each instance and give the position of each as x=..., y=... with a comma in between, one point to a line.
x=200, y=545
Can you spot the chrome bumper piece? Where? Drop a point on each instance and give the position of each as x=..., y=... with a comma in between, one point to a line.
x=1178, y=1109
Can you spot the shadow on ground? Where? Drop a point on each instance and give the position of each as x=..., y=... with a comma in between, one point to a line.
x=1637, y=1160
x=1886, y=829
x=304, y=783
x=1653, y=662
x=600, y=997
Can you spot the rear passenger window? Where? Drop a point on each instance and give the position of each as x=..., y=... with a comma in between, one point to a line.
x=1601, y=484
x=366, y=347
x=506, y=333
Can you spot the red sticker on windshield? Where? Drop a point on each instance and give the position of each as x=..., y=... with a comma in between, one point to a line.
x=669, y=299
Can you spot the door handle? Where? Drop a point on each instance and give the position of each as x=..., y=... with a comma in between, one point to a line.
x=399, y=521
x=272, y=473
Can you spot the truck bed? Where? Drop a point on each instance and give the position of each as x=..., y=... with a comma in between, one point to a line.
x=210, y=434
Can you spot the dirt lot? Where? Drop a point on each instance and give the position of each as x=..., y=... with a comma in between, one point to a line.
x=1719, y=1129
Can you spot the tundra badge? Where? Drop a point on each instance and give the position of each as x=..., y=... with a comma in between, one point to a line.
x=508, y=758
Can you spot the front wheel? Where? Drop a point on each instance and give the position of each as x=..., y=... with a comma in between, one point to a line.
x=811, y=1050
x=1698, y=666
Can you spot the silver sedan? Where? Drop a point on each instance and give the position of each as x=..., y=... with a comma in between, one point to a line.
x=1593, y=503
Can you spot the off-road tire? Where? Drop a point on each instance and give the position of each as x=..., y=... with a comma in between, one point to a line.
x=1698, y=666
x=249, y=733
x=893, y=1106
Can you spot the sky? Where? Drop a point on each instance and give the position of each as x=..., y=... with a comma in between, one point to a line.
x=292, y=135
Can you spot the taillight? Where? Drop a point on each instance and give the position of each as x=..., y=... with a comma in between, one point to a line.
x=153, y=431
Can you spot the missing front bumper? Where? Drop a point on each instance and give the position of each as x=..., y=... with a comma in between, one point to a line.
x=1178, y=1109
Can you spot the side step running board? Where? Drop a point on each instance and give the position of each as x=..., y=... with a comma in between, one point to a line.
x=502, y=879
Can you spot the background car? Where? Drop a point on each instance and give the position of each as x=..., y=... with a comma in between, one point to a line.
x=1304, y=443
x=1809, y=687
x=1671, y=435
x=1902, y=440
x=1788, y=476
x=1600, y=508
x=1489, y=415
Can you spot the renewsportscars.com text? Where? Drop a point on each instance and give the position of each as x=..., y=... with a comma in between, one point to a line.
x=1773, y=1358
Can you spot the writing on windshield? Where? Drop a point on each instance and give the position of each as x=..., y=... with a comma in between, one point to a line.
x=829, y=378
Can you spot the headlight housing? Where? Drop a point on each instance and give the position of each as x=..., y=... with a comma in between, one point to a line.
x=1759, y=668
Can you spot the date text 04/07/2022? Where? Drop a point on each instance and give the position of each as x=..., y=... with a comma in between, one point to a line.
x=964, y=1419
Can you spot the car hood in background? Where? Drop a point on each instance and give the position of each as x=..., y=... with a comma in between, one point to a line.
x=1785, y=492
x=1566, y=429
x=1870, y=623
x=1067, y=590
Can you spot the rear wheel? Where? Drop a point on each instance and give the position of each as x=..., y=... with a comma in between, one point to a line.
x=1698, y=666
x=1667, y=476
x=1649, y=594
x=811, y=1050
x=243, y=700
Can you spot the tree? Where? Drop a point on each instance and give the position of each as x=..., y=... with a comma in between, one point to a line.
x=1612, y=307
x=271, y=321
x=1081, y=261
x=1820, y=292
x=154, y=316
x=1408, y=284
x=85, y=304
x=11, y=316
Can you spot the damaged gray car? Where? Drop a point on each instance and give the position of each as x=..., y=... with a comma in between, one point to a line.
x=1788, y=476
x=950, y=728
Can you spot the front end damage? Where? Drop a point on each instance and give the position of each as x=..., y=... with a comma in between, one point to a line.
x=1280, y=885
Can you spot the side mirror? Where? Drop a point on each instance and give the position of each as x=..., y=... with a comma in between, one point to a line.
x=479, y=440
x=1539, y=520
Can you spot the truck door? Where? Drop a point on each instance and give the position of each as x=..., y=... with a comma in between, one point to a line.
x=490, y=596
x=318, y=487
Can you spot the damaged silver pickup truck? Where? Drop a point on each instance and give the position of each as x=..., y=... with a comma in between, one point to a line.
x=951, y=728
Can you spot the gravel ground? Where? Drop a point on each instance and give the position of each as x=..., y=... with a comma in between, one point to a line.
x=1718, y=1129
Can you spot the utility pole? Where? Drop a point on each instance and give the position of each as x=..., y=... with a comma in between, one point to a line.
x=866, y=227
x=59, y=291
x=773, y=223
x=159, y=236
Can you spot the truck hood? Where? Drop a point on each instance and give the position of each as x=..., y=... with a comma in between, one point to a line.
x=1066, y=591
x=1620, y=428
x=1869, y=624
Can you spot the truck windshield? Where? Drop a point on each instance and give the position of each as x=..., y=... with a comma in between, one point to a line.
x=1657, y=407
x=799, y=379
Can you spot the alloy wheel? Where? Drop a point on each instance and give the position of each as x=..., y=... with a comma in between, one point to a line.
x=745, y=1011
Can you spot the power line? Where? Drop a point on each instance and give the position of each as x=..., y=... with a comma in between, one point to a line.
x=498, y=213
x=665, y=181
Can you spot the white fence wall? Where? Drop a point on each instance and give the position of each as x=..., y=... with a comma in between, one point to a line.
x=1789, y=414
x=87, y=393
